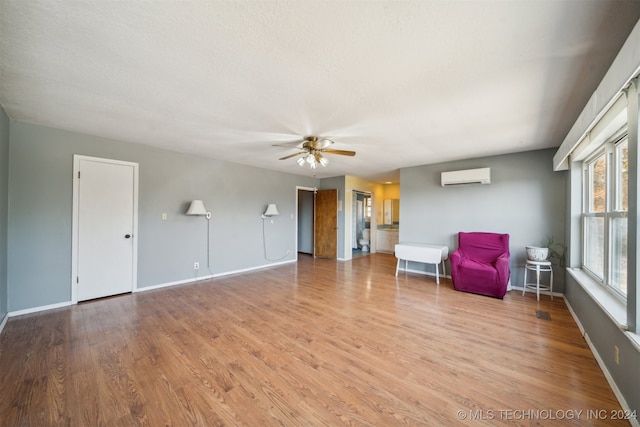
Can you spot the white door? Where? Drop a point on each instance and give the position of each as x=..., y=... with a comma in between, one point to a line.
x=105, y=199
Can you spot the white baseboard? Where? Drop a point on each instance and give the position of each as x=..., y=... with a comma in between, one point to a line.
x=146, y=288
x=41, y=308
x=211, y=276
x=4, y=322
x=174, y=283
x=603, y=367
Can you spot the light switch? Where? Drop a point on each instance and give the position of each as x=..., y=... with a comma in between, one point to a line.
x=164, y=216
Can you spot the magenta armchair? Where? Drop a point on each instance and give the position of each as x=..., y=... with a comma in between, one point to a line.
x=480, y=265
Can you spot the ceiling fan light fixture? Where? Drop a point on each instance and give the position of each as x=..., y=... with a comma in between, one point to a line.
x=311, y=160
x=312, y=152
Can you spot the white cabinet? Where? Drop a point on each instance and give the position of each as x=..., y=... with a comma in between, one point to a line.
x=386, y=240
x=391, y=211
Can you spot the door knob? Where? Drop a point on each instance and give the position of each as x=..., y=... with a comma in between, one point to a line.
x=126, y=236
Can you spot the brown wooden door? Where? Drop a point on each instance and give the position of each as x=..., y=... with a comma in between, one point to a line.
x=326, y=230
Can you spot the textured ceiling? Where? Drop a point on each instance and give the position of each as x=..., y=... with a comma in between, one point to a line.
x=403, y=83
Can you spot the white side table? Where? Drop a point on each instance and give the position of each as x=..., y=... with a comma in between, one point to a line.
x=538, y=267
x=422, y=252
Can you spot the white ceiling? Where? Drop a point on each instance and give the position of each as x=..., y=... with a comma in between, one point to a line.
x=403, y=83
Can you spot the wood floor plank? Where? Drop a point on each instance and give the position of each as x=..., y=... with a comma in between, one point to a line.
x=318, y=342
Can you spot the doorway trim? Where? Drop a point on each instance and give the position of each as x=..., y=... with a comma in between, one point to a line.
x=76, y=216
x=372, y=222
x=313, y=189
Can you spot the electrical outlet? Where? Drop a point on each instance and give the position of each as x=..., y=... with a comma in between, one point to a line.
x=196, y=265
x=616, y=354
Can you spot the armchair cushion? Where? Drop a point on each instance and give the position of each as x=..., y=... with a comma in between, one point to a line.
x=480, y=264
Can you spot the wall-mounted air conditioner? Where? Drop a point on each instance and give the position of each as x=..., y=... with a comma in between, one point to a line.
x=465, y=177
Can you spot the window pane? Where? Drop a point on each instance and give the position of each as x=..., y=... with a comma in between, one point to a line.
x=598, y=176
x=619, y=254
x=594, y=245
x=622, y=155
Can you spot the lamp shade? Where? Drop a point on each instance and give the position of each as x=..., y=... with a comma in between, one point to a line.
x=197, y=208
x=272, y=210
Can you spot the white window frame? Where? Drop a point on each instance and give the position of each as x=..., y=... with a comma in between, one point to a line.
x=612, y=206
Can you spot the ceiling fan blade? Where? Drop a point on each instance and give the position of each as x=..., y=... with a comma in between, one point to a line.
x=290, y=143
x=339, y=152
x=323, y=143
x=292, y=155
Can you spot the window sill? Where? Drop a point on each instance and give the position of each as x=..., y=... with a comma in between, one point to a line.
x=612, y=306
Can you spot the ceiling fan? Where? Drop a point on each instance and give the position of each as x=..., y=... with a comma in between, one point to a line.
x=313, y=148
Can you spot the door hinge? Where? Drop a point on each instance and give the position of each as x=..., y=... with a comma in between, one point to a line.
x=78, y=174
x=77, y=279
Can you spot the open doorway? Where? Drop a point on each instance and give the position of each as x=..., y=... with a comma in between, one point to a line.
x=306, y=209
x=317, y=222
x=362, y=206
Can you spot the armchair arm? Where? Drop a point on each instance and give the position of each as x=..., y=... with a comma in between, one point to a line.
x=456, y=256
x=502, y=265
x=455, y=259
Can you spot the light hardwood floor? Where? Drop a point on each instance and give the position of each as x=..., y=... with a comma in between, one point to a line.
x=314, y=343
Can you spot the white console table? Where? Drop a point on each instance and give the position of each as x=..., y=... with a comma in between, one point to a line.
x=422, y=252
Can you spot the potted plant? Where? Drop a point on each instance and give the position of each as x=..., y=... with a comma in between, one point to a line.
x=557, y=251
x=537, y=253
x=548, y=250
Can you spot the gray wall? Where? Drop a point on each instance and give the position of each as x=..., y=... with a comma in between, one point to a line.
x=4, y=208
x=525, y=199
x=40, y=213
